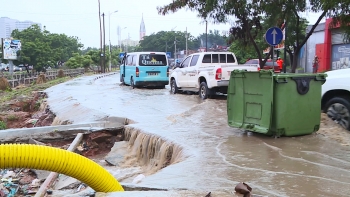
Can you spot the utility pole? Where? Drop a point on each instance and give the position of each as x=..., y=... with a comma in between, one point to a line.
x=206, y=36
x=104, y=44
x=285, y=47
x=166, y=46
x=186, y=41
x=109, y=38
x=175, y=48
x=127, y=43
x=99, y=17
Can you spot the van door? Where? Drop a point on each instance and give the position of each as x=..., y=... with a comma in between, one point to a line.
x=153, y=67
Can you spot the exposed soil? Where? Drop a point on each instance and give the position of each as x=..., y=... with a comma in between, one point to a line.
x=27, y=112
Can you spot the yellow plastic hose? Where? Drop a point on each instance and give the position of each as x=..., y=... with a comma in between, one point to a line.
x=60, y=161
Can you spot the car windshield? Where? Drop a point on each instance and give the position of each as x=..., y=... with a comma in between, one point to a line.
x=152, y=60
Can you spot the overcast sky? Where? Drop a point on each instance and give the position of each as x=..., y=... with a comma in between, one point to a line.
x=80, y=18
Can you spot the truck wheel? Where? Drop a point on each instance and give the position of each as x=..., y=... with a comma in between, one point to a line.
x=174, y=89
x=338, y=109
x=132, y=84
x=204, y=91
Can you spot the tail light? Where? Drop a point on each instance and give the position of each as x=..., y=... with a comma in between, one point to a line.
x=218, y=74
x=167, y=72
x=259, y=68
x=137, y=72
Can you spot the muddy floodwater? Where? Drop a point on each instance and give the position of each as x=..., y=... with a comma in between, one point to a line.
x=210, y=156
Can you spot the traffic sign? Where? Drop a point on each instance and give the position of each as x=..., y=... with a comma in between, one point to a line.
x=168, y=54
x=121, y=55
x=274, y=36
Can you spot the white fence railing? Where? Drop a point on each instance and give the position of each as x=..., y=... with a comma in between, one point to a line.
x=17, y=79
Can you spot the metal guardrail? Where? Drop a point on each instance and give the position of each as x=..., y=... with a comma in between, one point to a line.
x=17, y=79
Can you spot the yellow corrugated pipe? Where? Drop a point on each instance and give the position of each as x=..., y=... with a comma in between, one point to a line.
x=60, y=161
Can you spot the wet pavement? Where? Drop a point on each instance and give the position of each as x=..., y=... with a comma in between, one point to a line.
x=216, y=157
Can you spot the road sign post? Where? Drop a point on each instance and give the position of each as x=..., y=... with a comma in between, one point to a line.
x=168, y=54
x=273, y=37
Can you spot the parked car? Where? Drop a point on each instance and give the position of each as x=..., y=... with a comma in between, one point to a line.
x=269, y=64
x=17, y=69
x=336, y=96
x=206, y=73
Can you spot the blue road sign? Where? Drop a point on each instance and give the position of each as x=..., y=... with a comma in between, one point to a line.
x=168, y=54
x=121, y=55
x=274, y=36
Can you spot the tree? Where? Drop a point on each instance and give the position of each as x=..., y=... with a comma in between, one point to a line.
x=249, y=15
x=214, y=38
x=242, y=53
x=40, y=48
x=164, y=41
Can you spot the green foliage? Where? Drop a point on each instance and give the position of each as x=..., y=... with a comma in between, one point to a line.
x=3, y=125
x=164, y=41
x=41, y=48
x=79, y=61
x=12, y=118
x=248, y=27
x=242, y=53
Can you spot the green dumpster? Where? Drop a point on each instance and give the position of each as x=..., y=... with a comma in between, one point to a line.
x=275, y=104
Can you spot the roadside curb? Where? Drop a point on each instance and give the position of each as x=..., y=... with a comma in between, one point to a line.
x=106, y=75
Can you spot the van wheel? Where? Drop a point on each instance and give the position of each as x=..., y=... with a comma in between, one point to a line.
x=338, y=109
x=122, y=79
x=174, y=88
x=132, y=84
x=204, y=91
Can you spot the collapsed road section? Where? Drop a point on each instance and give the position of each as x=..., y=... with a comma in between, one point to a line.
x=84, y=158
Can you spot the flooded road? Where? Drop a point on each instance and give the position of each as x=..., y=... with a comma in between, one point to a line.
x=215, y=157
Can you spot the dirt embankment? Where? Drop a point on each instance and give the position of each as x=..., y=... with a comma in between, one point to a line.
x=27, y=112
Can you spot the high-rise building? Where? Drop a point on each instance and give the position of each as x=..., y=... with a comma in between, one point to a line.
x=7, y=25
x=142, y=29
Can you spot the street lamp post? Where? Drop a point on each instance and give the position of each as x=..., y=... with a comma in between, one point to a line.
x=174, y=43
x=109, y=38
x=120, y=38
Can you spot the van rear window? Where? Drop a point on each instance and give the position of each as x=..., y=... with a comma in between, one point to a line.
x=152, y=60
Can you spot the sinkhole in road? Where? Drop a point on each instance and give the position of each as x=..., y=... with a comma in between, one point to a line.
x=115, y=149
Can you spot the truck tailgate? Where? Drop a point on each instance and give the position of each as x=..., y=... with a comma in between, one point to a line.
x=226, y=69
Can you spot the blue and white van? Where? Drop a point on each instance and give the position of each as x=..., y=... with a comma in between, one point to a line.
x=145, y=69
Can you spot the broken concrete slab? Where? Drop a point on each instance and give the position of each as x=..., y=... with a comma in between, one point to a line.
x=67, y=131
x=66, y=182
x=41, y=174
x=32, y=141
x=116, y=155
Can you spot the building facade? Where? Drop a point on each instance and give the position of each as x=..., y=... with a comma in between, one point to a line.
x=142, y=29
x=327, y=42
x=7, y=25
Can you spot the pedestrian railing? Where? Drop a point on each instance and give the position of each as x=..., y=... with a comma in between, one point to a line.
x=24, y=78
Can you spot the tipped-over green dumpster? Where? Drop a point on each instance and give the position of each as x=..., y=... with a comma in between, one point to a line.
x=275, y=104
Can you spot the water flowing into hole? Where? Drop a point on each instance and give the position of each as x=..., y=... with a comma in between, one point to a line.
x=152, y=152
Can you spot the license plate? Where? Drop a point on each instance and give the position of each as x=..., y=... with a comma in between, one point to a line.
x=152, y=73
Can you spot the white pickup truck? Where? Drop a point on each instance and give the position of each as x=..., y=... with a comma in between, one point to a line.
x=336, y=96
x=206, y=73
